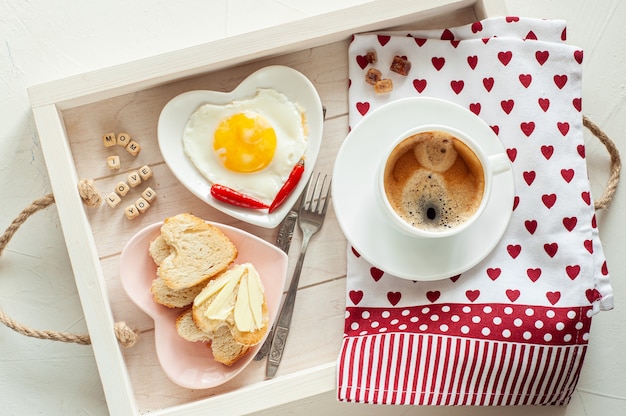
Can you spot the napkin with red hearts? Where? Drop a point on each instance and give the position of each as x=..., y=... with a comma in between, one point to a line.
x=514, y=329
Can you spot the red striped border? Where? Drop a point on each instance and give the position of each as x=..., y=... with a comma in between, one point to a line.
x=427, y=369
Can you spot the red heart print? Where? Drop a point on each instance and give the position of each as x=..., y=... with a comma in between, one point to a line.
x=505, y=57
x=531, y=226
x=542, y=56
x=589, y=246
x=604, y=269
x=551, y=249
x=507, y=105
x=512, y=153
x=363, y=107
x=455, y=278
x=356, y=253
x=438, y=62
x=563, y=127
x=578, y=56
x=581, y=150
x=419, y=85
x=447, y=35
x=548, y=200
x=529, y=177
x=572, y=271
x=511, y=19
x=512, y=294
x=533, y=274
x=488, y=83
x=477, y=27
x=593, y=295
x=525, y=79
x=593, y=221
x=362, y=61
x=515, y=202
x=376, y=273
x=485, y=40
x=475, y=108
x=560, y=81
x=586, y=196
x=383, y=39
x=578, y=104
x=547, y=151
x=494, y=272
x=394, y=297
x=433, y=295
x=528, y=128
x=544, y=103
x=457, y=86
x=514, y=250
x=553, y=297
x=472, y=61
x=564, y=34
x=472, y=295
x=420, y=41
x=567, y=174
x=569, y=223
x=356, y=296
x=530, y=36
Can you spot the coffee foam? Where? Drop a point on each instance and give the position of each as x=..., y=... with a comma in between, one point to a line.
x=434, y=181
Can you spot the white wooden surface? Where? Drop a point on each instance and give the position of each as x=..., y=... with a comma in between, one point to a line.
x=45, y=41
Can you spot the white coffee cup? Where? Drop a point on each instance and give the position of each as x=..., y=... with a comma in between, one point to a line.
x=423, y=207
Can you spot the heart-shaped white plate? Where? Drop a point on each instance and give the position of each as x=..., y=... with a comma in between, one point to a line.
x=177, y=111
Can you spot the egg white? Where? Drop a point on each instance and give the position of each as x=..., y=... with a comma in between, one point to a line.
x=286, y=118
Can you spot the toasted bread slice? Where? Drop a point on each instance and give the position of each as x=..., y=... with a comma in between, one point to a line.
x=224, y=347
x=198, y=252
x=235, y=298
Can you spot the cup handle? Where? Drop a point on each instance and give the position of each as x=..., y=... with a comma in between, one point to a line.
x=499, y=163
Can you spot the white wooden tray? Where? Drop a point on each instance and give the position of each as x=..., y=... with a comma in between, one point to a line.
x=72, y=114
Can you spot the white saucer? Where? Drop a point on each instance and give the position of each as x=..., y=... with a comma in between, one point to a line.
x=177, y=111
x=365, y=225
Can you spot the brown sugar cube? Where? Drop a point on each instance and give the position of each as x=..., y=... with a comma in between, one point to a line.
x=133, y=148
x=123, y=139
x=113, y=162
x=142, y=205
x=371, y=57
x=109, y=139
x=373, y=75
x=149, y=195
x=400, y=65
x=131, y=212
x=145, y=172
x=122, y=188
x=134, y=179
x=384, y=86
x=113, y=199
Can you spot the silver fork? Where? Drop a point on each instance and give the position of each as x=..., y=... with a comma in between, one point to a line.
x=310, y=219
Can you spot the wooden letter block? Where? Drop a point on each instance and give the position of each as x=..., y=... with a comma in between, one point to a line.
x=123, y=139
x=149, y=195
x=134, y=179
x=142, y=205
x=131, y=212
x=133, y=148
x=113, y=199
x=122, y=188
x=145, y=172
x=109, y=139
x=113, y=162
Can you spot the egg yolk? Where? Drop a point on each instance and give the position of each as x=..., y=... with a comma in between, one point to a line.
x=244, y=142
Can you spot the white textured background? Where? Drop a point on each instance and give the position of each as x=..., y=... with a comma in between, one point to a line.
x=43, y=40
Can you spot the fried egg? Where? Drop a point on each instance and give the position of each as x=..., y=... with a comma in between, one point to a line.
x=250, y=145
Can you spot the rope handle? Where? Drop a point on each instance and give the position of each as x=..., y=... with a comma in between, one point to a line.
x=127, y=337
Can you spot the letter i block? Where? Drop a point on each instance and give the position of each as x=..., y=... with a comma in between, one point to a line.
x=131, y=212
x=113, y=162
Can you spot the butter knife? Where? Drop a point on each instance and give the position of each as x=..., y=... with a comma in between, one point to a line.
x=283, y=241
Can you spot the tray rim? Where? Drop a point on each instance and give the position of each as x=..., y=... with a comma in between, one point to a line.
x=48, y=100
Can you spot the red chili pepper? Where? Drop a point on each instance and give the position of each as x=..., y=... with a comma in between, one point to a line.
x=233, y=197
x=288, y=186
